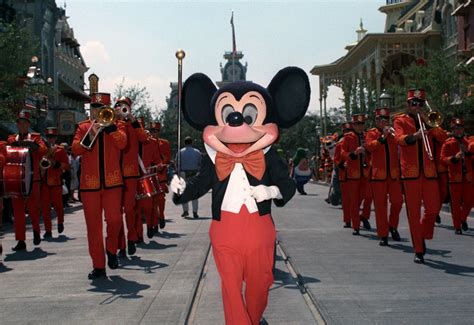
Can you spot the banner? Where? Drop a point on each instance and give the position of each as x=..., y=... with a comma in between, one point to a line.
x=66, y=122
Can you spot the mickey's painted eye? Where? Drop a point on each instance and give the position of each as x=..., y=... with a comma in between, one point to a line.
x=250, y=113
x=226, y=110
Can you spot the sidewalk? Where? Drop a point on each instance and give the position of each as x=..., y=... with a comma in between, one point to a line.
x=49, y=285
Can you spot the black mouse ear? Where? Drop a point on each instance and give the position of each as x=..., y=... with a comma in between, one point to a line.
x=290, y=92
x=198, y=90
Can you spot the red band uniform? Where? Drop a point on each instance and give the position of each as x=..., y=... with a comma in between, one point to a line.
x=131, y=172
x=418, y=173
x=101, y=186
x=151, y=156
x=384, y=176
x=51, y=186
x=356, y=170
x=341, y=165
x=460, y=171
x=165, y=151
x=33, y=202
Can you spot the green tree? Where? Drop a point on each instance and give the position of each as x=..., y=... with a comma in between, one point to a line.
x=301, y=135
x=141, y=99
x=17, y=47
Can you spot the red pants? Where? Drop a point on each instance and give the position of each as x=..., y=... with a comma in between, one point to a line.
x=380, y=190
x=94, y=203
x=51, y=195
x=461, y=201
x=365, y=198
x=418, y=191
x=353, y=188
x=129, y=204
x=150, y=209
x=34, y=207
x=443, y=186
x=162, y=200
x=243, y=245
x=346, y=216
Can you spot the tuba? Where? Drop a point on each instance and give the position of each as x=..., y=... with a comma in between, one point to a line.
x=105, y=118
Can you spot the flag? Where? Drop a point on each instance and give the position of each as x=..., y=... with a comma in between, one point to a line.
x=234, y=46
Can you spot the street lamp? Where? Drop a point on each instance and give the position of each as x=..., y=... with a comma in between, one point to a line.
x=318, y=145
x=385, y=100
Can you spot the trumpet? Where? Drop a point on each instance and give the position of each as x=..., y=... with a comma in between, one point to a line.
x=124, y=111
x=105, y=118
x=390, y=130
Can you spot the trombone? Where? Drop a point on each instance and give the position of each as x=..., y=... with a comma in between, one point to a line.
x=105, y=118
x=433, y=120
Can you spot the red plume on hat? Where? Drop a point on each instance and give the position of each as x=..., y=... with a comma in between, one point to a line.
x=52, y=131
x=100, y=99
x=24, y=115
x=125, y=100
x=358, y=118
x=382, y=112
x=416, y=93
x=456, y=121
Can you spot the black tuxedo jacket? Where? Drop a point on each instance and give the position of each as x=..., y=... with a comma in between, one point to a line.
x=276, y=173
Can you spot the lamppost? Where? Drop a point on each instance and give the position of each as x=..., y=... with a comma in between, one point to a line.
x=318, y=144
x=385, y=100
x=38, y=100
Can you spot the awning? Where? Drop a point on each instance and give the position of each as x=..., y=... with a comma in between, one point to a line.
x=72, y=91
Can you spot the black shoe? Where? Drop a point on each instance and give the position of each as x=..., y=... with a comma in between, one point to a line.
x=383, y=241
x=131, y=247
x=395, y=234
x=97, y=273
x=327, y=200
x=347, y=225
x=162, y=224
x=263, y=321
x=185, y=214
x=424, y=247
x=60, y=228
x=195, y=215
x=419, y=259
x=155, y=230
x=458, y=232
x=48, y=235
x=150, y=232
x=122, y=253
x=112, y=261
x=303, y=193
x=20, y=246
x=36, y=238
x=438, y=219
x=356, y=232
x=366, y=224
x=464, y=226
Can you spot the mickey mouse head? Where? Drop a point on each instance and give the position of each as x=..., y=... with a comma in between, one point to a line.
x=243, y=117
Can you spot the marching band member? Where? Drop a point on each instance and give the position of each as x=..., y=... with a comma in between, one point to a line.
x=341, y=165
x=38, y=148
x=384, y=176
x=418, y=172
x=458, y=159
x=441, y=169
x=130, y=167
x=151, y=157
x=101, y=182
x=165, y=151
x=51, y=187
x=353, y=152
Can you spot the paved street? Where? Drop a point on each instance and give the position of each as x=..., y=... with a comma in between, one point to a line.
x=352, y=279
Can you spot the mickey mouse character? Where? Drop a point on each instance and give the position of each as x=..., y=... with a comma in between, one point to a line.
x=240, y=122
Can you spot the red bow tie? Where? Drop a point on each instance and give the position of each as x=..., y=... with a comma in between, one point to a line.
x=254, y=164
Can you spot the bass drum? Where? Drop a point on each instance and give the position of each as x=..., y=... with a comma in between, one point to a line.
x=17, y=172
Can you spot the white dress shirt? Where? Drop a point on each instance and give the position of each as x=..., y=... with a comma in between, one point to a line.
x=238, y=188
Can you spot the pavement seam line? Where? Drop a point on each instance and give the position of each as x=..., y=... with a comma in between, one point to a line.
x=192, y=310
x=169, y=274
x=305, y=292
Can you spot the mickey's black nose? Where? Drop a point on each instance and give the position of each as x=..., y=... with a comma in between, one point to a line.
x=235, y=119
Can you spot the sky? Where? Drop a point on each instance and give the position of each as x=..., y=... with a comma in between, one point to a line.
x=136, y=41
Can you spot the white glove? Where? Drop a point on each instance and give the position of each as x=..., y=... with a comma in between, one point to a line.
x=177, y=185
x=262, y=193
